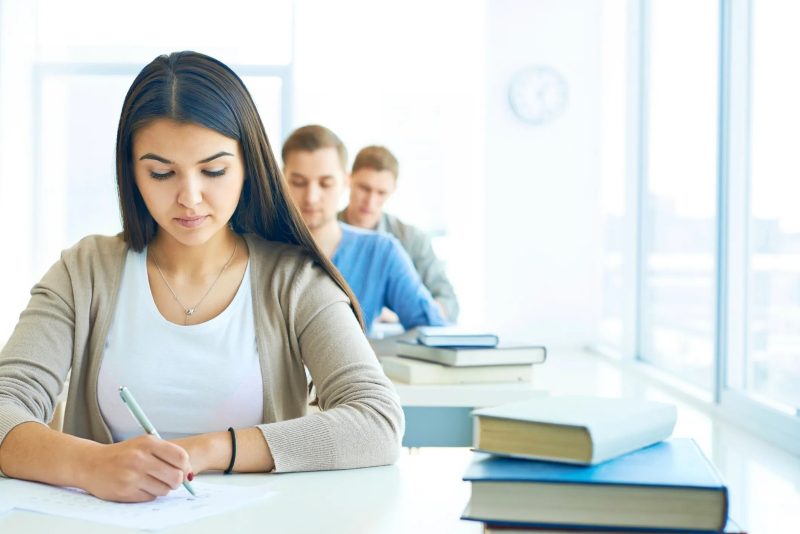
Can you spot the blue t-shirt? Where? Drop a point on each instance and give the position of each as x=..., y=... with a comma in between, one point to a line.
x=380, y=273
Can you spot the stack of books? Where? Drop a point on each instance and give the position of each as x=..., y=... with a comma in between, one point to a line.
x=450, y=355
x=589, y=464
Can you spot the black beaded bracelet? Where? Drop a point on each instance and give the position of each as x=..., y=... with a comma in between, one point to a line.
x=229, y=470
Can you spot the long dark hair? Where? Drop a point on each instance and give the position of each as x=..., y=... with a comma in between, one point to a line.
x=194, y=88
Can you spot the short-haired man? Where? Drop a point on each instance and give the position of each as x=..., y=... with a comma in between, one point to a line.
x=375, y=265
x=372, y=181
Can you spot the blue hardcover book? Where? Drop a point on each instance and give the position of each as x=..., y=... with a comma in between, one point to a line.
x=668, y=486
x=491, y=528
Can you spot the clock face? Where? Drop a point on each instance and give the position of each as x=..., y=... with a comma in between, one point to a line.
x=537, y=94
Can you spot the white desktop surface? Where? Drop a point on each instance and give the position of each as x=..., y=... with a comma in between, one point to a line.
x=466, y=395
x=422, y=492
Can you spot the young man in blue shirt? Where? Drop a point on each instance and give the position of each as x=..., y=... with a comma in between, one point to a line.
x=376, y=267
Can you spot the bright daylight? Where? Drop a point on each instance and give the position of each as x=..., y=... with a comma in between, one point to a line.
x=489, y=266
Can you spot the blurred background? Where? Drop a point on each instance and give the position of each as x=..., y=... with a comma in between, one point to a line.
x=609, y=174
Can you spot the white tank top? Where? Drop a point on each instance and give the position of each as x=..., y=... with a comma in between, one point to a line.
x=187, y=379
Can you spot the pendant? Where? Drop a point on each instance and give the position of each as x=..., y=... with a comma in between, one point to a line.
x=189, y=312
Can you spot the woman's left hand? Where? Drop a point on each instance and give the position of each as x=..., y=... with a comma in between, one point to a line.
x=212, y=451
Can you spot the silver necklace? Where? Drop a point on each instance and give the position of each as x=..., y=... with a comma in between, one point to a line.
x=189, y=311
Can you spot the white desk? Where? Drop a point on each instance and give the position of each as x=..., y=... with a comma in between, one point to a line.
x=423, y=492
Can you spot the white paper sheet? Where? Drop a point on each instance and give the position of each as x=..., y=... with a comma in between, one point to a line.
x=6, y=503
x=173, y=509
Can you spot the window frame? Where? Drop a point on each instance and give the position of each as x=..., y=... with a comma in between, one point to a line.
x=769, y=422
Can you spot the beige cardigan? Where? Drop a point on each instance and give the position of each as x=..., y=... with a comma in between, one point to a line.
x=302, y=319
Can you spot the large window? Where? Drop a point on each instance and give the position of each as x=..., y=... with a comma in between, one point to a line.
x=772, y=365
x=711, y=139
x=679, y=180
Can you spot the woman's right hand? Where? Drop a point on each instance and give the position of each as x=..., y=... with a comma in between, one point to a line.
x=136, y=470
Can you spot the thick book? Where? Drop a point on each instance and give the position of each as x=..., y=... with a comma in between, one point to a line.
x=413, y=371
x=731, y=527
x=670, y=486
x=502, y=354
x=454, y=336
x=573, y=429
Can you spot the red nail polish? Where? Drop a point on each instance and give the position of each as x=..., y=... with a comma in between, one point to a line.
x=190, y=476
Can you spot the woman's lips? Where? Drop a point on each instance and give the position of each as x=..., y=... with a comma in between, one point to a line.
x=191, y=222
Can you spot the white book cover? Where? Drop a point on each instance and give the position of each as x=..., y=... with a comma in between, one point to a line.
x=616, y=426
x=418, y=372
x=510, y=353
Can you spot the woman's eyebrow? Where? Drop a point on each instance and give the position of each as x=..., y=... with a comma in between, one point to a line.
x=156, y=157
x=150, y=155
x=215, y=156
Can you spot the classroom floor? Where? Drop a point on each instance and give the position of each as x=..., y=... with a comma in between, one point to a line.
x=763, y=480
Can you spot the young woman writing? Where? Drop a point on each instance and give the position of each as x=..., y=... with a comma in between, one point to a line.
x=209, y=306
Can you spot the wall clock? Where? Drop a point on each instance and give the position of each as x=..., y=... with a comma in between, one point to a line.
x=537, y=94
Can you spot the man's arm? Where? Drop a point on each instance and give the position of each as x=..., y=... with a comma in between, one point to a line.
x=406, y=295
x=431, y=269
x=434, y=275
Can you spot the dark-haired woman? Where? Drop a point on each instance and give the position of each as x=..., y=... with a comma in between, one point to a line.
x=209, y=307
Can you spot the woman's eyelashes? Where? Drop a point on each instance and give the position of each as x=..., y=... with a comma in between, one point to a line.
x=163, y=175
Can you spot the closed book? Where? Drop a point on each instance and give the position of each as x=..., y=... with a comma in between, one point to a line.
x=413, y=371
x=502, y=354
x=670, y=486
x=454, y=336
x=574, y=429
x=731, y=527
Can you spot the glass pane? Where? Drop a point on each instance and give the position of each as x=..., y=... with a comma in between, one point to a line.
x=613, y=177
x=76, y=188
x=680, y=187
x=773, y=360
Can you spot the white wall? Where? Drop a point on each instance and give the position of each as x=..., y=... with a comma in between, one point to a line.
x=408, y=75
x=518, y=203
x=542, y=182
